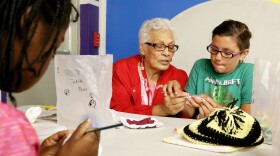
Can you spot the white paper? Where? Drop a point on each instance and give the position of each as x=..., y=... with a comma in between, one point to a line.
x=180, y=140
x=32, y=113
x=84, y=89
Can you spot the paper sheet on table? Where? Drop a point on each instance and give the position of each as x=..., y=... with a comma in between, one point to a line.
x=180, y=140
x=46, y=129
x=48, y=115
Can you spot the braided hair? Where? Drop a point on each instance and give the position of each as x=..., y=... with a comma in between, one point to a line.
x=54, y=13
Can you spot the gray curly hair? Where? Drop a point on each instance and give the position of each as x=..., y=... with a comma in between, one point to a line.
x=151, y=25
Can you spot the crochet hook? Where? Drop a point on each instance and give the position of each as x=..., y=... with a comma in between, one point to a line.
x=103, y=128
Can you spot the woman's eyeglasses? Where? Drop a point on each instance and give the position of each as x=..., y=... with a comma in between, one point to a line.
x=161, y=47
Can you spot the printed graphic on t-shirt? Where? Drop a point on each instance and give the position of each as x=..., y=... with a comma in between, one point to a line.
x=223, y=82
x=221, y=90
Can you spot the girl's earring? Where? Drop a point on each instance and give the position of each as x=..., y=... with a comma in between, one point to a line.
x=142, y=62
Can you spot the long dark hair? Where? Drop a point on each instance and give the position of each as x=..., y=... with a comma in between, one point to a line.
x=56, y=15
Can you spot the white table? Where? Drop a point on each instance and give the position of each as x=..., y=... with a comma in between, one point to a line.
x=148, y=142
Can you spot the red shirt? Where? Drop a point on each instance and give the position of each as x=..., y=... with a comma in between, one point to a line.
x=17, y=137
x=126, y=96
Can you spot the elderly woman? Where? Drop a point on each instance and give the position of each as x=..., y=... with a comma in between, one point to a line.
x=138, y=80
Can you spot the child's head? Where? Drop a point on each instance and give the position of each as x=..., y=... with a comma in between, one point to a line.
x=235, y=29
x=230, y=45
x=30, y=32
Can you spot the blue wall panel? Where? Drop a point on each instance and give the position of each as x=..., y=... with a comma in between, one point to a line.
x=124, y=18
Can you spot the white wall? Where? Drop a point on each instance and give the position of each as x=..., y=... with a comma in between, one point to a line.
x=43, y=93
x=72, y=36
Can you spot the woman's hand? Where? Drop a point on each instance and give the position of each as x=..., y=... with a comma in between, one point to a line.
x=170, y=105
x=172, y=88
x=173, y=105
